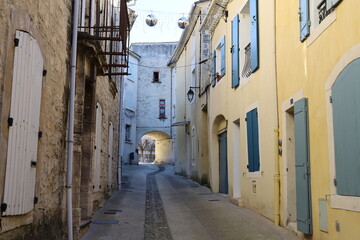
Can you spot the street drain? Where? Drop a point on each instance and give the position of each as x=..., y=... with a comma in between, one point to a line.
x=205, y=193
x=194, y=186
x=106, y=222
x=109, y=212
x=214, y=200
x=114, y=210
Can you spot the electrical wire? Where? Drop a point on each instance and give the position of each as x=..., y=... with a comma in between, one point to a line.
x=198, y=63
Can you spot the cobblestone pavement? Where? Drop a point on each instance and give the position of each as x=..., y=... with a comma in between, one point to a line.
x=156, y=204
x=156, y=226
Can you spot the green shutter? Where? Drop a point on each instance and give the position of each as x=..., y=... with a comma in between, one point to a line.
x=303, y=195
x=346, y=122
x=213, y=81
x=254, y=32
x=253, y=140
x=235, y=76
x=304, y=17
x=223, y=56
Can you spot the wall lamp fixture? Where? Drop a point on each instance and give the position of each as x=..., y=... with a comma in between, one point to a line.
x=190, y=94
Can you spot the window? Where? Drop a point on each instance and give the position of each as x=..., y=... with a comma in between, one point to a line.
x=245, y=42
x=156, y=76
x=162, y=109
x=23, y=124
x=253, y=140
x=219, y=63
x=312, y=13
x=128, y=133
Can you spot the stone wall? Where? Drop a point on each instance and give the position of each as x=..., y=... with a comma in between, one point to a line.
x=49, y=23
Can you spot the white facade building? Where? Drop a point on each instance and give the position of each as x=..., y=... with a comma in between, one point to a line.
x=129, y=110
x=154, y=97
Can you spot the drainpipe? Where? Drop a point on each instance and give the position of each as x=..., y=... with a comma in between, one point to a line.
x=70, y=140
x=276, y=140
x=121, y=112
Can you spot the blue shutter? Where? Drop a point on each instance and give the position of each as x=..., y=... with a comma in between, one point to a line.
x=303, y=195
x=253, y=140
x=346, y=119
x=254, y=32
x=304, y=19
x=235, y=76
x=213, y=81
x=256, y=139
x=223, y=56
x=250, y=141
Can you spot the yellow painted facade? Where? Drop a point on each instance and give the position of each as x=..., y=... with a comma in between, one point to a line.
x=289, y=70
x=309, y=69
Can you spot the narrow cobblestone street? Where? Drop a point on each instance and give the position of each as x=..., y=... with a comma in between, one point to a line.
x=157, y=204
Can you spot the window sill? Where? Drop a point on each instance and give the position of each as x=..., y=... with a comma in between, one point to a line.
x=162, y=118
x=348, y=203
x=315, y=34
x=128, y=141
x=257, y=174
x=156, y=81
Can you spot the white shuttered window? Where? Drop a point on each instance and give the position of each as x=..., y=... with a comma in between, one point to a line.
x=97, y=148
x=23, y=126
x=110, y=152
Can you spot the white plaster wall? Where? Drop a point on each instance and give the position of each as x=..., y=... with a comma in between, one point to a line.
x=129, y=109
x=154, y=57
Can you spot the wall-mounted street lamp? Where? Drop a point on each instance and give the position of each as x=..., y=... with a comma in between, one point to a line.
x=190, y=94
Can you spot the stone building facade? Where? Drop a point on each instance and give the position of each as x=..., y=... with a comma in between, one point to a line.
x=35, y=50
x=154, y=101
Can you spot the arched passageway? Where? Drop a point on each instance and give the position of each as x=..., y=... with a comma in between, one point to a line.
x=156, y=147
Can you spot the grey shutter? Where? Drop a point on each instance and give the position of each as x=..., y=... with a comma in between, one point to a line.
x=303, y=195
x=346, y=121
x=254, y=32
x=235, y=76
x=223, y=56
x=213, y=81
x=304, y=17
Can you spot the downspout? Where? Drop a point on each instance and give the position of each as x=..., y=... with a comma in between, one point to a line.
x=70, y=140
x=119, y=172
x=276, y=140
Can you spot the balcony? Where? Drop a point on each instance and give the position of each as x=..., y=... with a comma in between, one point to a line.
x=325, y=7
x=246, y=72
x=105, y=25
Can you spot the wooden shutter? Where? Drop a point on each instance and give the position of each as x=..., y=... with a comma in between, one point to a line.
x=302, y=164
x=235, y=76
x=97, y=148
x=346, y=121
x=21, y=162
x=110, y=153
x=223, y=56
x=304, y=17
x=253, y=140
x=254, y=32
x=213, y=82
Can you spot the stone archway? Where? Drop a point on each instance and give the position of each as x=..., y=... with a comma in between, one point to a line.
x=163, y=146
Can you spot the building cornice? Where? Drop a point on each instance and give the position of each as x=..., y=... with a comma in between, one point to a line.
x=193, y=17
x=215, y=13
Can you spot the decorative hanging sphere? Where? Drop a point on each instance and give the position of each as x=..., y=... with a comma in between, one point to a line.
x=183, y=22
x=151, y=20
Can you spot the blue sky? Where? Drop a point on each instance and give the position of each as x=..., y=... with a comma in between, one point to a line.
x=167, y=12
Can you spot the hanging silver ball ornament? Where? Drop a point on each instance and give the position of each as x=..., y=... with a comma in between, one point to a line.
x=151, y=20
x=183, y=22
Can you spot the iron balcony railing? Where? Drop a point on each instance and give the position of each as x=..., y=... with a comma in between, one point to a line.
x=246, y=72
x=107, y=22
